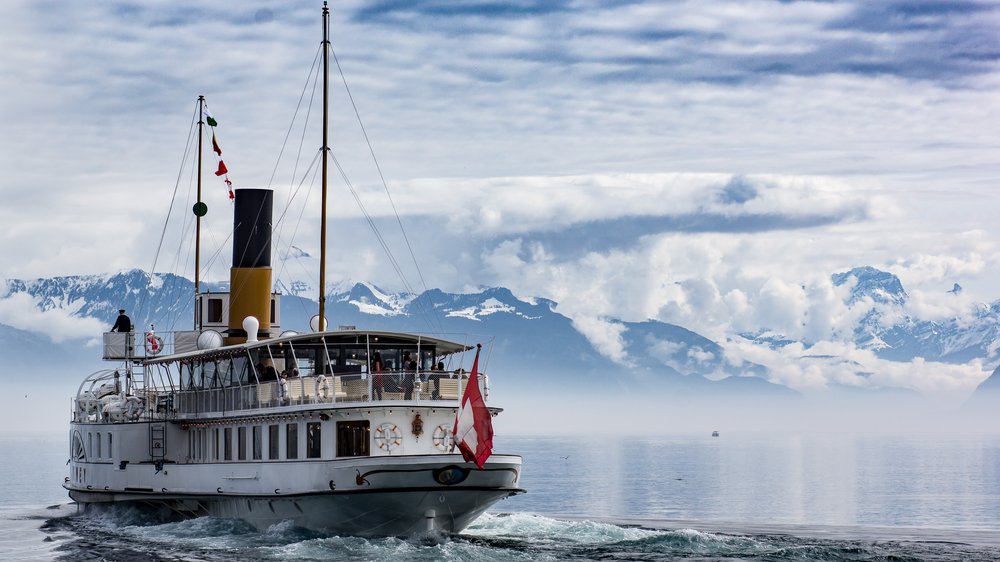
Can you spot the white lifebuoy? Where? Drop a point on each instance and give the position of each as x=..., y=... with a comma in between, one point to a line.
x=442, y=438
x=388, y=436
x=154, y=344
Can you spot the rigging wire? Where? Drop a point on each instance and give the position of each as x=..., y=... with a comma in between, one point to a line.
x=173, y=199
x=298, y=156
x=385, y=185
x=431, y=320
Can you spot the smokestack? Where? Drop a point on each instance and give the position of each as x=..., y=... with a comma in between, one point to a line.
x=250, y=276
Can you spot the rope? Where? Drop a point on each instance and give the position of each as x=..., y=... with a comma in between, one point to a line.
x=434, y=321
x=173, y=199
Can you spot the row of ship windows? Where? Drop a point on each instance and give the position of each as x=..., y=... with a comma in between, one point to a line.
x=94, y=448
x=281, y=441
x=288, y=441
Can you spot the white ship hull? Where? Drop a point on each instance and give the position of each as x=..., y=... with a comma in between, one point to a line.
x=377, y=496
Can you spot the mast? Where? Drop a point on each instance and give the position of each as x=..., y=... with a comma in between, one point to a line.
x=198, y=204
x=321, y=324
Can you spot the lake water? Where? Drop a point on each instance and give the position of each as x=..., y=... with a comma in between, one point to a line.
x=733, y=497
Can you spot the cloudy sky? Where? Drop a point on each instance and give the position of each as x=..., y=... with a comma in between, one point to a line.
x=709, y=164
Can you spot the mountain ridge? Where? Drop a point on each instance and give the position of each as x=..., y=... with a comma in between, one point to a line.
x=532, y=338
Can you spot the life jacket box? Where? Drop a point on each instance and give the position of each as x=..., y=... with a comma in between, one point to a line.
x=119, y=345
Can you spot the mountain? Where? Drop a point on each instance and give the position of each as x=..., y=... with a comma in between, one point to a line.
x=536, y=348
x=986, y=397
x=888, y=329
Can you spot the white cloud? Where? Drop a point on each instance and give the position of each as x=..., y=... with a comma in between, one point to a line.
x=499, y=135
x=22, y=311
x=605, y=336
x=830, y=363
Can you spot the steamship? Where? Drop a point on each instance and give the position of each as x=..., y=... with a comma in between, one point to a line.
x=346, y=431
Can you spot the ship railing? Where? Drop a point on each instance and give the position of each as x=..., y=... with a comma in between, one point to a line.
x=147, y=344
x=409, y=387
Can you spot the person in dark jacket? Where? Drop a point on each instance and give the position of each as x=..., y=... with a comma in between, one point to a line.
x=123, y=324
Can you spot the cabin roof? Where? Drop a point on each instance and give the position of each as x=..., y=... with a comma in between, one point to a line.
x=444, y=347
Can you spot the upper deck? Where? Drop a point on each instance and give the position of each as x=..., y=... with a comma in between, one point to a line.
x=293, y=372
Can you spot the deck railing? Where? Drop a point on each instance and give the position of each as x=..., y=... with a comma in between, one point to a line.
x=408, y=387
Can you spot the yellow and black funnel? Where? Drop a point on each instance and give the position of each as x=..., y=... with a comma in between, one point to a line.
x=250, y=276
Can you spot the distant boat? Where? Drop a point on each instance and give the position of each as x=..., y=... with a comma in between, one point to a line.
x=715, y=434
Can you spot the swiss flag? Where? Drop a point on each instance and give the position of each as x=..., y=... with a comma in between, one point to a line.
x=473, y=423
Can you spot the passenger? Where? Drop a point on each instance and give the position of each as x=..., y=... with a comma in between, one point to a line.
x=437, y=373
x=266, y=372
x=123, y=323
x=409, y=374
x=378, y=379
x=283, y=390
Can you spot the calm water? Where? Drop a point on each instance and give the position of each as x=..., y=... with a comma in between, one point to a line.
x=735, y=497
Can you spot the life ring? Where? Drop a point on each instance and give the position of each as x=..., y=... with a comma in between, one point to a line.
x=443, y=439
x=388, y=436
x=154, y=344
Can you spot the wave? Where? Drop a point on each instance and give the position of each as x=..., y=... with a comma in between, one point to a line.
x=127, y=533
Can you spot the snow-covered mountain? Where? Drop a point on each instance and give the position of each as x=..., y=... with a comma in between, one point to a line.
x=534, y=345
x=888, y=329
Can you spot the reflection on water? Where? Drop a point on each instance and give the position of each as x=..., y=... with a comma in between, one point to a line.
x=940, y=481
x=738, y=496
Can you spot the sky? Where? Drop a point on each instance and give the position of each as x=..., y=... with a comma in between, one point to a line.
x=708, y=164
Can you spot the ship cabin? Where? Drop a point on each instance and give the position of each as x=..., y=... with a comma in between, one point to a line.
x=291, y=372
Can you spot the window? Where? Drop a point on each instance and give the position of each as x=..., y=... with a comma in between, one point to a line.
x=241, y=443
x=215, y=444
x=215, y=311
x=110, y=453
x=292, y=441
x=258, y=445
x=272, y=442
x=98, y=452
x=352, y=438
x=227, y=446
x=314, y=445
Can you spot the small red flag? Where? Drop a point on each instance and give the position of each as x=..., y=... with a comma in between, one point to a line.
x=473, y=424
x=215, y=146
x=222, y=169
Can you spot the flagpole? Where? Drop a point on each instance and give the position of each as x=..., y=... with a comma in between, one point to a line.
x=197, y=228
x=321, y=324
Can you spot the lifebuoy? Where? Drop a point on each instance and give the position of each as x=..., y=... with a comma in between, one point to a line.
x=443, y=438
x=154, y=344
x=388, y=436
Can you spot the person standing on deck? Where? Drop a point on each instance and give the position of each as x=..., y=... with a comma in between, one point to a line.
x=378, y=380
x=123, y=324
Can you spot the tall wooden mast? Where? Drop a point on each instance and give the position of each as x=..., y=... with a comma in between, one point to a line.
x=197, y=228
x=321, y=324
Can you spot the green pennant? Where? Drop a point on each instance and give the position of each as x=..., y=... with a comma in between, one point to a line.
x=211, y=121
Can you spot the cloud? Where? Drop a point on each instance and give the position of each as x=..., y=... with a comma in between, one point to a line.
x=829, y=364
x=705, y=164
x=22, y=311
x=605, y=335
